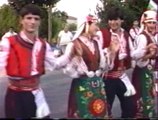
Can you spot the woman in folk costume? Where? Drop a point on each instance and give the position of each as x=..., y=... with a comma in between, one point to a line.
x=87, y=98
x=134, y=29
x=144, y=54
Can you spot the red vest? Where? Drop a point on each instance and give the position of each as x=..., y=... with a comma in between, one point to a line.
x=20, y=58
x=148, y=37
x=149, y=40
x=91, y=60
x=106, y=42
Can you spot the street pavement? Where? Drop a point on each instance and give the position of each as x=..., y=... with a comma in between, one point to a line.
x=56, y=87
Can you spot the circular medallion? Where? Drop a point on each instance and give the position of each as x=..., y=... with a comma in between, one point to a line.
x=97, y=107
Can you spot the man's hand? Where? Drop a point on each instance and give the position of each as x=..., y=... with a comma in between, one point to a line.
x=151, y=46
x=151, y=51
x=114, y=46
x=57, y=53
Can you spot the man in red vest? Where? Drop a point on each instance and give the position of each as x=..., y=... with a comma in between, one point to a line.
x=25, y=57
x=145, y=55
x=116, y=80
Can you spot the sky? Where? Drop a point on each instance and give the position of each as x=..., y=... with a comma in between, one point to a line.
x=76, y=8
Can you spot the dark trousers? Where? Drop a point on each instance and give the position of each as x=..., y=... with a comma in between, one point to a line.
x=116, y=87
x=20, y=104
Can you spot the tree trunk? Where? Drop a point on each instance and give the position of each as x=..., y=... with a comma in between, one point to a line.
x=49, y=23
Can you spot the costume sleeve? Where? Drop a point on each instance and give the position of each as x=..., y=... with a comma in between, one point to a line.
x=132, y=33
x=76, y=67
x=99, y=34
x=105, y=62
x=139, y=51
x=4, y=52
x=52, y=62
x=131, y=44
x=102, y=63
x=108, y=59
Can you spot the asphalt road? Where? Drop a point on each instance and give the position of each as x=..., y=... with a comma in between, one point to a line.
x=56, y=87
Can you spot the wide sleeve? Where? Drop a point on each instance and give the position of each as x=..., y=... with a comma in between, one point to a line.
x=4, y=52
x=100, y=36
x=131, y=45
x=132, y=33
x=139, y=51
x=104, y=57
x=52, y=62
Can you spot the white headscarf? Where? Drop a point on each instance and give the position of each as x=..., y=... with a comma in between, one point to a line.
x=84, y=24
x=147, y=16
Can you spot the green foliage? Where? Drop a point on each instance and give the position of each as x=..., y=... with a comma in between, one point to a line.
x=58, y=22
x=43, y=31
x=132, y=10
x=72, y=27
x=18, y=4
x=57, y=25
x=58, y=18
x=138, y=6
x=8, y=18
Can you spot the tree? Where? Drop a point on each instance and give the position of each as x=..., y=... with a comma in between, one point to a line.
x=58, y=23
x=18, y=4
x=72, y=27
x=138, y=6
x=133, y=9
x=46, y=19
x=8, y=18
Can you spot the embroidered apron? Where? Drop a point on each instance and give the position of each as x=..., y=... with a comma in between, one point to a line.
x=91, y=98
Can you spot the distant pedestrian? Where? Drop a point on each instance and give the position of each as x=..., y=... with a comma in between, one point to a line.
x=64, y=37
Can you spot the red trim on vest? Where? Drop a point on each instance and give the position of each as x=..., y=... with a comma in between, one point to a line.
x=149, y=40
x=91, y=60
x=148, y=37
x=117, y=63
x=19, y=59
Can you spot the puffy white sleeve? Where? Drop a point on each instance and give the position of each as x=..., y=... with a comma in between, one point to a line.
x=131, y=45
x=104, y=57
x=132, y=33
x=139, y=51
x=52, y=62
x=99, y=34
x=4, y=52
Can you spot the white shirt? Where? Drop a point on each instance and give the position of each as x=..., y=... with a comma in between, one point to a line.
x=100, y=37
x=134, y=32
x=8, y=34
x=77, y=66
x=140, y=50
x=123, y=43
x=65, y=37
x=51, y=62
